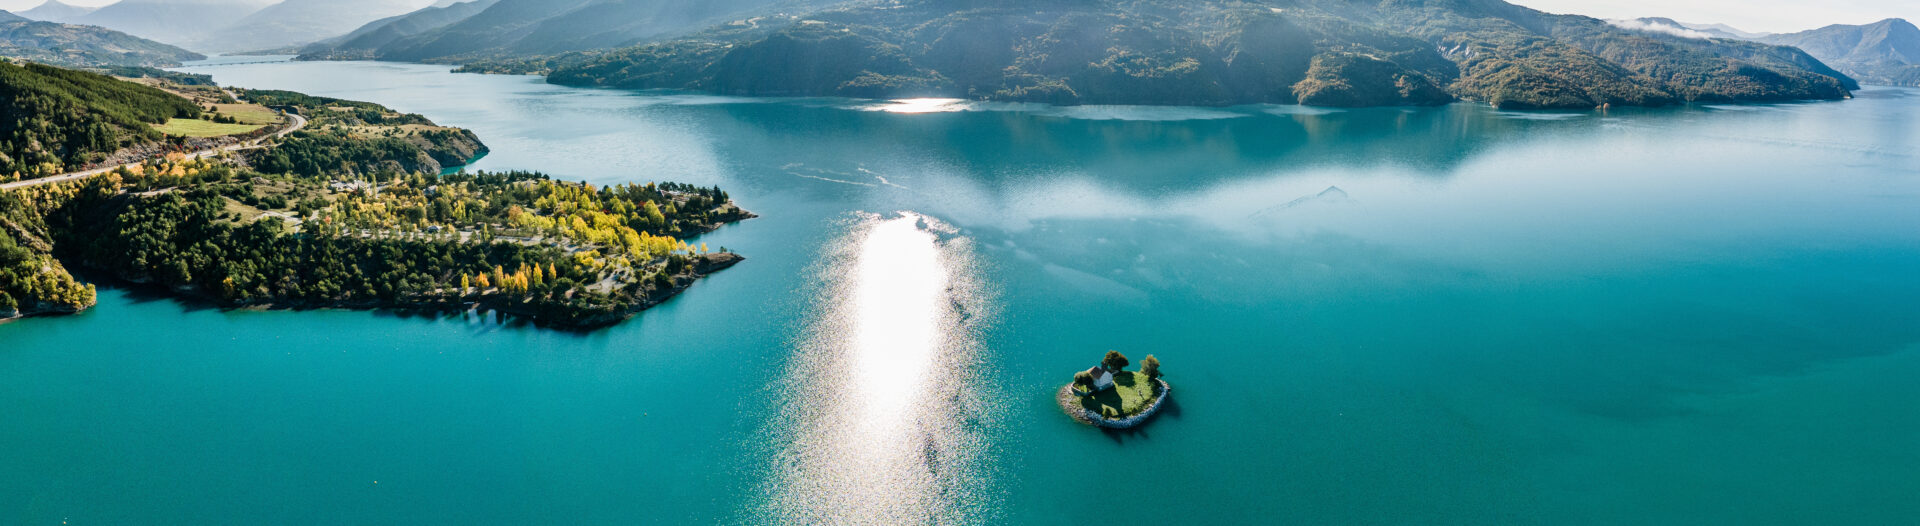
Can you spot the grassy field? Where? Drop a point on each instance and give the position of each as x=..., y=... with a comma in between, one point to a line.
x=1130, y=394
x=200, y=128
x=249, y=113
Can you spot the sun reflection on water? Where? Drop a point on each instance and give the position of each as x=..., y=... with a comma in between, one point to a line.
x=923, y=106
x=885, y=419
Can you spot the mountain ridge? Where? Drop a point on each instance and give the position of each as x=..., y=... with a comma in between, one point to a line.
x=365, y=41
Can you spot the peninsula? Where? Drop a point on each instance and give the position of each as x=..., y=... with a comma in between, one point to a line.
x=275, y=199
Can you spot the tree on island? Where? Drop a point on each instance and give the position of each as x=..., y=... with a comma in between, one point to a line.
x=1114, y=361
x=1083, y=379
x=1150, y=366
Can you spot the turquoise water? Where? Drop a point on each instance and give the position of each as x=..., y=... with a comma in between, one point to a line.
x=1389, y=316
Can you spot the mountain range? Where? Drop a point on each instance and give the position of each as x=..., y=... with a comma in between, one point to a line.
x=1204, y=52
x=1885, y=52
x=83, y=46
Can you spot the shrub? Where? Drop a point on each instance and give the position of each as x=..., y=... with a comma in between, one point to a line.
x=1114, y=361
x=1150, y=366
x=1083, y=379
x=7, y=304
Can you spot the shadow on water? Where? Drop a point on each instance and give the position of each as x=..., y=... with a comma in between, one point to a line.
x=143, y=293
x=1169, y=408
x=149, y=293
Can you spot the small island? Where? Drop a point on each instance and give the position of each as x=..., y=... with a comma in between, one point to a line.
x=1112, y=397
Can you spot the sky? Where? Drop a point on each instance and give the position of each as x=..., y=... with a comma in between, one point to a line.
x=23, y=5
x=1775, y=16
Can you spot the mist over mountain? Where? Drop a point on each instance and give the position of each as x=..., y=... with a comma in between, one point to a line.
x=296, y=22
x=1885, y=52
x=366, y=41
x=1323, y=52
x=516, y=28
x=57, y=11
x=171, y=21
x=1676, y=28
x=73, y=45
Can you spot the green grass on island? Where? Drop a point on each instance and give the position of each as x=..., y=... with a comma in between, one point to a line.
x=201, y=128
x=249, y=113
x=1132, y=392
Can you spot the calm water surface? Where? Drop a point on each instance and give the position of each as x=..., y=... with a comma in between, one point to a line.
x=1386, y=316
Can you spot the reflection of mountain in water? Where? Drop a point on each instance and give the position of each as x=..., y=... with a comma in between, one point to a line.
x=1143, y=155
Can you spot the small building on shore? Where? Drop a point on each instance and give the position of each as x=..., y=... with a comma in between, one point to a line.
x=1102, y=378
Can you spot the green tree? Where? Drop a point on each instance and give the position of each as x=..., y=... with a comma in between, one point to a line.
x=1150, y=366
x=1114, y=361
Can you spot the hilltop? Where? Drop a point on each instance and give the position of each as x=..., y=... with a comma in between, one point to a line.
x=57, y=11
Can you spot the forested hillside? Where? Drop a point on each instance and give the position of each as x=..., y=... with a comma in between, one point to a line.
x=31, y=280
x=53, y=120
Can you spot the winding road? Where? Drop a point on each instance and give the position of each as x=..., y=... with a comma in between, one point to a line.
x=296, y=123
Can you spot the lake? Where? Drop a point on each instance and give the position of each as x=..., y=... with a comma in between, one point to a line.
x=1453, y=315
